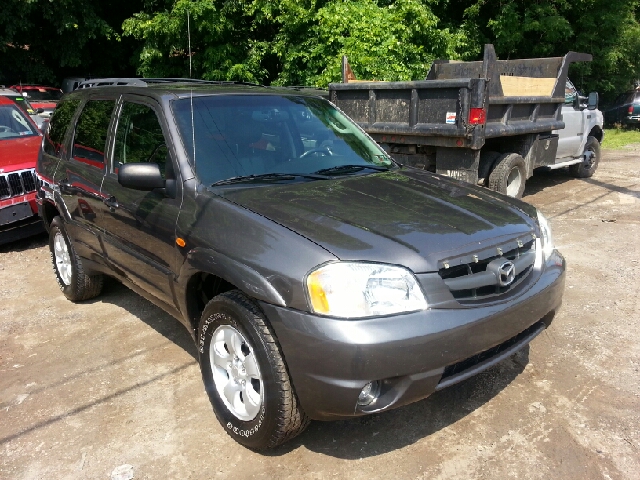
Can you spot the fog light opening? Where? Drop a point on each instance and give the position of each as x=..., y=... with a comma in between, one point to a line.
x=369, y=394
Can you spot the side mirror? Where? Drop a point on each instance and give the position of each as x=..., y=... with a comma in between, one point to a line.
x=592, y=102
x=140, y=176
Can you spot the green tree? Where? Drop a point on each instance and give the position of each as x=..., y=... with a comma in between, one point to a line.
x=292, y=42
x=608, y=29
x=44, y=40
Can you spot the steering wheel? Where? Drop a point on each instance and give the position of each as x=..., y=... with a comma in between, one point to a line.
x=321, y=150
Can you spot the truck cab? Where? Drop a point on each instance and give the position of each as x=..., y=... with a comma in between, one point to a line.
x=579, y=141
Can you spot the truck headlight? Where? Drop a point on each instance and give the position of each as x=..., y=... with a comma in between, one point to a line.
x=352, y=290
x=547, y=239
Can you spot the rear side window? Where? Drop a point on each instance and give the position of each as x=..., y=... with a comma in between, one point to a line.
x=91, y=132
x=139, y=137
x=58, y=124
x=570, y=93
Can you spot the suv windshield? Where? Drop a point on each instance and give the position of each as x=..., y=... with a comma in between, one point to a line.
x=13, y=123
x=244, y=136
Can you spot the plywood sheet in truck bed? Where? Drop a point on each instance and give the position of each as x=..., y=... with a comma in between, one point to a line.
x=514, y=86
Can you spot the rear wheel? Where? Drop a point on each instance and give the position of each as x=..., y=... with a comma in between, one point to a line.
x=67, y=266
x=509, y=175
x=244, y=374
x=589, y=164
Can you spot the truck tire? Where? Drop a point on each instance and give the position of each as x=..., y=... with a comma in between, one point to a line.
x=67, y=267
x=245, y=375
x=509, y=175
x=588, y=166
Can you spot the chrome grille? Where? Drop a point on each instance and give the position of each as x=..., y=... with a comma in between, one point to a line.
x=475, y=280
x=17, y=183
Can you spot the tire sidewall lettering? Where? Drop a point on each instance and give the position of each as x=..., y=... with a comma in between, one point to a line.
x=249, y=432
x=233, y=425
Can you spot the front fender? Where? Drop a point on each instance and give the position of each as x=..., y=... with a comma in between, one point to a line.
x=242, y=276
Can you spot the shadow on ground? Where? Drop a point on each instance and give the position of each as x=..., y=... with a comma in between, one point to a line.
x=36, y=241
x=381, y=433
x=543, y=179
x=117, y=294
x=363, y=436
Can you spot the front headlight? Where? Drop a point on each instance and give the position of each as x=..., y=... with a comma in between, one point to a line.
x=547, y=239
x=352, y=290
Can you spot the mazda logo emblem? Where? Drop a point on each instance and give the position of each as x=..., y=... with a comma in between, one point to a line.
x=506, y=274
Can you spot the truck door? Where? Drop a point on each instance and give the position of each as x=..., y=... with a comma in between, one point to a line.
x=571, y=137
x=139, y=226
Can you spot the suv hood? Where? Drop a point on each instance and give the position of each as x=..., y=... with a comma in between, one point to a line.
x=407, y=217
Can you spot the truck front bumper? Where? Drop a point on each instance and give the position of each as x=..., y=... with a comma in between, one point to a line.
x=411, y=355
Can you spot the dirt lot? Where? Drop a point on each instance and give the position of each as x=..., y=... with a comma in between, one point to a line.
x=85, y=388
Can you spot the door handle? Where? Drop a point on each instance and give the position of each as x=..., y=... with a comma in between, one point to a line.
x=111, y=202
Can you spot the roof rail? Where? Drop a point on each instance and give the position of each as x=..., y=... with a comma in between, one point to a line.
x=144, y=82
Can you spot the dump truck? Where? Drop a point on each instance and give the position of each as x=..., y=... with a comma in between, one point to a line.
x=488, y=122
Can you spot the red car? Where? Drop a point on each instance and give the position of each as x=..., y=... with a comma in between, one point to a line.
x=40, y=96
x=20, y=143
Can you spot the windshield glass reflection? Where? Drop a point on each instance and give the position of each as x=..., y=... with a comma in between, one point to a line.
x=245, y=137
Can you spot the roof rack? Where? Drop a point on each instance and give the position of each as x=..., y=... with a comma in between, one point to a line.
x=144, y=82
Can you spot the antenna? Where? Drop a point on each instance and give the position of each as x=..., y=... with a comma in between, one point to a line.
x=193, y=128
x=189, y=38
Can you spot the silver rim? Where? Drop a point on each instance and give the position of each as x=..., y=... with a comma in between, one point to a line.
x=589, y=158
x=236, y=374
x=63, y=259
x=514, y=181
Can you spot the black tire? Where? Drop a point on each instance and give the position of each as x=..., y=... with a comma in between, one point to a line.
x=78, y=285
x=502, y=179
x=280, y=417
x=587, y=168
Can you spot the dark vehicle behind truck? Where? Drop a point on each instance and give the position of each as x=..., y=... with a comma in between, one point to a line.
x=488, y=122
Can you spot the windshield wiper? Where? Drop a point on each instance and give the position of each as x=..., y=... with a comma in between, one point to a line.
x=350, y=169
x=268, y=176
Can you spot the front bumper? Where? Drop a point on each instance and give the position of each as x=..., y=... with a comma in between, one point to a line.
x=330, y=360
x=19, y=219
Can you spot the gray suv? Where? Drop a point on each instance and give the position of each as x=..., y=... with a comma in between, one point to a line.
x=318, y=278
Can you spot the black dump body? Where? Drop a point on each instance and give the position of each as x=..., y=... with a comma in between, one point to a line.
x=445, y=120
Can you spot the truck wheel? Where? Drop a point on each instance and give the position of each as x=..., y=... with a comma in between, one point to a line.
x=588, y=166
x=509, y=175
x=244, y=374
x=74, y=283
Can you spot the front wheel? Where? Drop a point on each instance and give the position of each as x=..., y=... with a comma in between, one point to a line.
x=509, y=175
x=67, y=266
x=244, y=374
x=591, y=158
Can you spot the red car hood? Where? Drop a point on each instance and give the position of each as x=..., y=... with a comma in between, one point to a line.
x=19, y=153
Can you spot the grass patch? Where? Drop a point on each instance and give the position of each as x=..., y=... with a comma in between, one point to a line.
x=619, y=138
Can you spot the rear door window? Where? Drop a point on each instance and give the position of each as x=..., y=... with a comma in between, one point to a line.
x=91, y=132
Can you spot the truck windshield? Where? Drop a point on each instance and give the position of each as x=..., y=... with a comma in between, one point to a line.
x=253, y=135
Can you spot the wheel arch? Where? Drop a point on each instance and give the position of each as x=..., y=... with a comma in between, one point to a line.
x=597, y=132
x=48, y=212
x=206, y=273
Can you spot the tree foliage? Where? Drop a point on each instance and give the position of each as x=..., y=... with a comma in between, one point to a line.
x=302, y=41
x=292, y=42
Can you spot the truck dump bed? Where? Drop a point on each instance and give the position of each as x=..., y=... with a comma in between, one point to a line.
x=460, y=104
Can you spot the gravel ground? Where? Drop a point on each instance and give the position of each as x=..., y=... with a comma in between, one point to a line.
x=86, y=388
